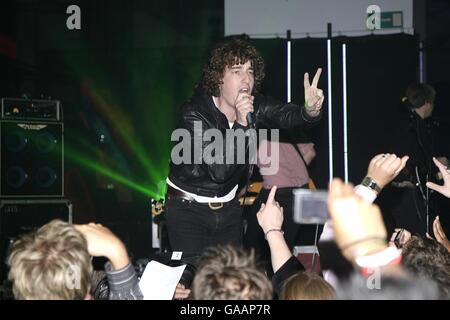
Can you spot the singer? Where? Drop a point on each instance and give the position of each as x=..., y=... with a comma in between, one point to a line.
x=202, y=200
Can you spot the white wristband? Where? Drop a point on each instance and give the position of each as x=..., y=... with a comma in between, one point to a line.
x=379, y=259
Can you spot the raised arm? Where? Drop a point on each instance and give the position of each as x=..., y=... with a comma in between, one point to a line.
x=103, y=243
x=270, y=218
x=313, y=96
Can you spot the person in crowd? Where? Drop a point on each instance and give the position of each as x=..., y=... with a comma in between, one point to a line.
x=362, y=238
x=381, y=170
x=54, y=263
x=307, y=286
x=230, y=273
x=428, y=259
x=294, y=159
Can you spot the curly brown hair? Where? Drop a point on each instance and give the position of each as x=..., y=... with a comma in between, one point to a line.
x=429, y=259
x=228, y=54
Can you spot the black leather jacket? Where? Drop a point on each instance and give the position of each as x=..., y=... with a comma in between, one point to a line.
x=212, y=180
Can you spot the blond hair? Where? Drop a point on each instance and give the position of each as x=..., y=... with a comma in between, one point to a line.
x=307, y=286
x=52, y=263
x=229, y=273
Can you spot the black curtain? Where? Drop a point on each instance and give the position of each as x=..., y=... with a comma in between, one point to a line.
x=379, y=68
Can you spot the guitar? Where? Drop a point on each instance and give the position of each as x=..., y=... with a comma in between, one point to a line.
x=252, y=192
x=158, y=210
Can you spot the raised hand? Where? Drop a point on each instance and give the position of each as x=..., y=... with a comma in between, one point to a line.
x=358, y=225
x=103, y=243
x=270, y=216
x=313, y=96
x=399, y=237
x=383, y=168
x=181, y=292
x=444, y=189
x=439, y=233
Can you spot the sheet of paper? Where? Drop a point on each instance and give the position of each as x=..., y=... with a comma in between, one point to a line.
x=158, y=282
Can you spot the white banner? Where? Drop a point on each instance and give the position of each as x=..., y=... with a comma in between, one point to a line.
x=271, y=18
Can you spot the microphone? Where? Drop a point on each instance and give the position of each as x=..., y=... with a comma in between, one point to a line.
x=250, y=117
x=406, y=103
x=250, y=120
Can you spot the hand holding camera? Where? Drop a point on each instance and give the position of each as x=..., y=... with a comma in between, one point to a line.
x=399, y=237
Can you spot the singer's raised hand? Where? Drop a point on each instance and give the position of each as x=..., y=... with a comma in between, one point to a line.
x=313, y=96
x=244, y=105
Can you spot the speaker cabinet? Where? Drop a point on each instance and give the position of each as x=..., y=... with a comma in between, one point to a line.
x=18, y=217
x=32, y=159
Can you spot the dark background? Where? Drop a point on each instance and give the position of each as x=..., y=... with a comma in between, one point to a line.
x=123, y=76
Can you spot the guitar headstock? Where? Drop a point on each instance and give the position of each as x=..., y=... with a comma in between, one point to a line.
x=158, y=207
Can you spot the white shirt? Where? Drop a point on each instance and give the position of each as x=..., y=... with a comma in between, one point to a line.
x=201, y=199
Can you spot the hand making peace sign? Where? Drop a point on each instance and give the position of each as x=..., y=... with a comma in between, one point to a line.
x=313, y=96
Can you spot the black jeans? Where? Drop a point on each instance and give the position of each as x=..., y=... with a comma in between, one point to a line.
x=193, y=226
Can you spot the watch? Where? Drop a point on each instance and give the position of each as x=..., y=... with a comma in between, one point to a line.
x=370, y=183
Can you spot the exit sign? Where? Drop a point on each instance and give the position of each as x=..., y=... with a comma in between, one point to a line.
x=391, y=19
